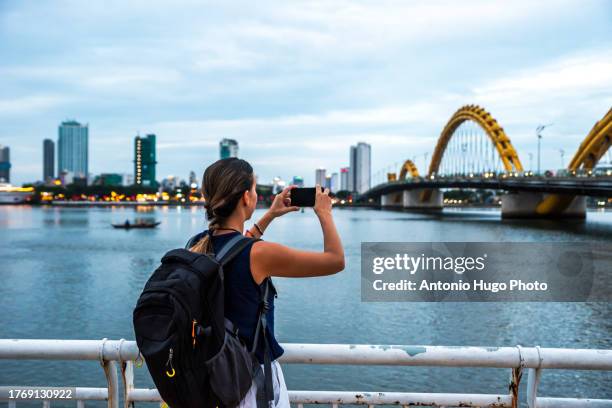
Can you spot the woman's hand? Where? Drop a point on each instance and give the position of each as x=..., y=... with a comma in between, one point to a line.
x=323, y=203
x=280, y=206
x=282, y=203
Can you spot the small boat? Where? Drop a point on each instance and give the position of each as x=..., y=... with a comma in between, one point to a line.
x=129, y=225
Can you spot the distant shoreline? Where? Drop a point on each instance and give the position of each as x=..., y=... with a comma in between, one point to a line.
x=119, y=204
x=86, y=204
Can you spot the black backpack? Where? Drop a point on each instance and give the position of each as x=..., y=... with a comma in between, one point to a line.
x=193, y=353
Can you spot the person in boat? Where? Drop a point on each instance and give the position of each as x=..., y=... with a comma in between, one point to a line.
x=228, y=186
x=126, y=224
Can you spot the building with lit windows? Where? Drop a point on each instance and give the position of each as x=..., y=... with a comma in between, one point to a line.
x=144, y=160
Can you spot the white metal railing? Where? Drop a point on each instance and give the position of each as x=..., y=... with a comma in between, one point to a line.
x=111, y=353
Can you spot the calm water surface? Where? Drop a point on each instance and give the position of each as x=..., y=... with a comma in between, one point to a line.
x=67, y=274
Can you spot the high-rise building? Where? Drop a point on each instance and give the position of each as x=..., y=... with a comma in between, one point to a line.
x=278, y=184
x=327, y=182
x=228, y=148
x=48, y=160
x=351, y=171
x=344, y=178
x=360, y=169
x=144, y=160
x=72, y=148
x=127, y=180
x=5, y=164
x=170, y=183
x=320, y=177
x=298, y=181
x=193, y=180
x=334, y=187
x=66, y=177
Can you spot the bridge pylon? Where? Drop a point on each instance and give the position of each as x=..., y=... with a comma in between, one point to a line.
x=525, y=204
x=413, y=200
x=593, y=147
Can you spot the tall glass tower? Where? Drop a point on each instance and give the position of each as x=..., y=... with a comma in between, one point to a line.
x=228, y=148
x=48, y=160
x=72, y=148
x=144, y=160
x=360, y=169
x=5, y=164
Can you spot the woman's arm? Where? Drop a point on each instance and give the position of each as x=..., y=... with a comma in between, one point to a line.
x=271, y=259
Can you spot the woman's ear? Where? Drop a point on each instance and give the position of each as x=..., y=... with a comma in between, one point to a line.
x=245, y=198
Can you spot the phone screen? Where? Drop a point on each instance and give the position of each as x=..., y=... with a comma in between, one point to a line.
x=303, y=197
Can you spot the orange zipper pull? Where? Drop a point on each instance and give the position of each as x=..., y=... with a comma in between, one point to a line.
x=193, y=332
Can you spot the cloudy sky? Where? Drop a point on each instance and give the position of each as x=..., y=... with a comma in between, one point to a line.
x=296, y=83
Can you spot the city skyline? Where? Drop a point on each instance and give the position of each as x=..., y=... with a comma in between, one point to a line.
x=387, y=73
x=144, y=159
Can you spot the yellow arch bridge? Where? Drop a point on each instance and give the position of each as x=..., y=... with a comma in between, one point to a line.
x=474, y=151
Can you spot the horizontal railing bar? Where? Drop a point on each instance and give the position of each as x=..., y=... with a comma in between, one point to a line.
x=364, y=398
x=444, y=356
x=578, y=359
x=354, y=354
x=81, y=393
x=572, y=403
x=144, y=395
x=400, y=398
x=367, y=398
x=53, y=349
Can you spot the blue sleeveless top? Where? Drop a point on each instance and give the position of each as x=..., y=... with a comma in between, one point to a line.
x=242, y=296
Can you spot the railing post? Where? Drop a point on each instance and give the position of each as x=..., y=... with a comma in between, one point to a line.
x=127, y=375
x=533, y=380
x=110, y=371
x=515, y=379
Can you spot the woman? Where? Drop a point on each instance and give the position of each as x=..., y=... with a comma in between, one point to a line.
x=229, y=189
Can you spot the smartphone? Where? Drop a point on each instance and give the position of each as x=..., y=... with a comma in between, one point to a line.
x=303, y=196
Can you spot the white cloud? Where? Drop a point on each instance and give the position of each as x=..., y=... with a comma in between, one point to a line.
x=569, y=75
x=310, y=77
x=30, y=104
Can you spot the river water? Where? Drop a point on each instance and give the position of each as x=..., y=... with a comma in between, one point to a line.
x=67, y=274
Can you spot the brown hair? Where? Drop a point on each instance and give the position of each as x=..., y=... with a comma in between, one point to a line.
x=223, y=184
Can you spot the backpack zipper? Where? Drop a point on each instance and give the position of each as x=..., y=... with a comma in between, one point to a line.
x=173, y=373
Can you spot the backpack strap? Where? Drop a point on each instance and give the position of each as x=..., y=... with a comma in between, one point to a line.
x=232, y=248
x=229, y=250
x=265, y=389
